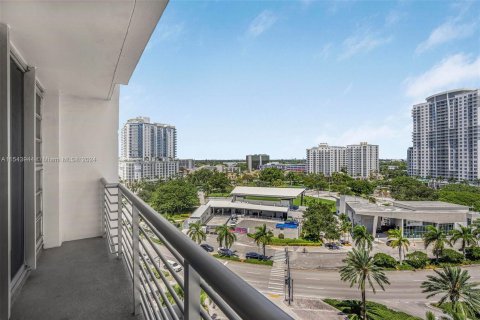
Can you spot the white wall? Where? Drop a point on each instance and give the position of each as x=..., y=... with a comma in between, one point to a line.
x=88, y=128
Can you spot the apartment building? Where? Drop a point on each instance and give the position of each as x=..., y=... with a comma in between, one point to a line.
x=446, y=135
x=148, y=150
x=254, y=161
x=143, y=140
x=362, y=159
x=357, y=160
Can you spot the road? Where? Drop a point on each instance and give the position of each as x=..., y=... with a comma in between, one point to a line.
x=403, y=294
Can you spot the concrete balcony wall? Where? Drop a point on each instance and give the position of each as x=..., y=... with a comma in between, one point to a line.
x=88, y=128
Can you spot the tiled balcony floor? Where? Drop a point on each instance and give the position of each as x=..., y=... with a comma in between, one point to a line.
x=79, y=280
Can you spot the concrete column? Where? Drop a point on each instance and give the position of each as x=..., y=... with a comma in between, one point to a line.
x=374, y=227
x=401, y=226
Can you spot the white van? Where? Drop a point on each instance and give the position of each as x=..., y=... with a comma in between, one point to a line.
x=175, y=266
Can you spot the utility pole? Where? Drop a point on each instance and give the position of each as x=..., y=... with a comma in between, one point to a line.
x=288, y=279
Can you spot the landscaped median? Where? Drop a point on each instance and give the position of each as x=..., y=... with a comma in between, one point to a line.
x=418, y=260
x=237, y=259
x=276, y=241
x=375, y=311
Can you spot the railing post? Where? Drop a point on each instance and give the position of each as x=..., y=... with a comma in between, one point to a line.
x=136, y=259
x=104, y=212
x=119, y=222
x=192, y=293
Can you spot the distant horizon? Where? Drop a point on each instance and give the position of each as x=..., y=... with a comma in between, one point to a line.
x=280, y=77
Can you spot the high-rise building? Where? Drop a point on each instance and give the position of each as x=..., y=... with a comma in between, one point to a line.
x=254, y=161
x=148, y=150
x=446, y=135
x=147, y=141
x=362, y=159
x=357, y=160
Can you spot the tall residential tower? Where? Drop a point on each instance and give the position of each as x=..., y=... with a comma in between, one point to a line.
x=149, y=150
x=446, y=135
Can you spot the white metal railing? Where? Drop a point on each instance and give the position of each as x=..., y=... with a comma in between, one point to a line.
x=149, y=243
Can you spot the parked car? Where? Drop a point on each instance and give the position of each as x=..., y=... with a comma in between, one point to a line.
x=226, y=252
x=254, y=255
x=207, y=247
x=175, y=266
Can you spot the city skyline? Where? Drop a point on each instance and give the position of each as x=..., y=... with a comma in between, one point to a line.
x=275, y=77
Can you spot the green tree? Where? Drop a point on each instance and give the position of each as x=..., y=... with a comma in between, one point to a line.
x=408, y=189
x=345, y=227
x=360, y=187
x=315, y=181
x=398, y=241
x=200, y=178
x=465, y=235
x=454, y=286
x=270, y=175
x=437, y=238
x=319, y=220
x=219, y=181
x=196, y=233
x=174, y=196
x=225, y=236
x=360, y=269
x=362, y=238
x=263, y=236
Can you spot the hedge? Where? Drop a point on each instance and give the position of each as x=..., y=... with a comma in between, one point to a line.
x=417, y=259
x=451, y=256
x=375, y=311
x=384, y=260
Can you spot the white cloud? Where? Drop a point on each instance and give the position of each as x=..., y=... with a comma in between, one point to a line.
x=453, y=71
x=393, y=17
x=348, y=88
x=264, y=21
x=362, y=43
x=446, y=32
x=324, y=52
x=170, y=32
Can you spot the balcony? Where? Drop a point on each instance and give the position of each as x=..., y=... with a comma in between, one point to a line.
x=76, y=281
x=130, y=275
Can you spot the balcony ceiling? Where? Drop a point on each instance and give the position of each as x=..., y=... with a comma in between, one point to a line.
x=82, y=48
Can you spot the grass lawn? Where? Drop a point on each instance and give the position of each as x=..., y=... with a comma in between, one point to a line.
x=307, y=200
x=261, y=198
x=293, y=242
x=219, y=195
x=375, y=311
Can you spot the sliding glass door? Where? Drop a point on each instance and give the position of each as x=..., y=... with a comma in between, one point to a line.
x=17, y=195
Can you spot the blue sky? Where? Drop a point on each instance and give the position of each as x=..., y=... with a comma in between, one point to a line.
x=277, y=77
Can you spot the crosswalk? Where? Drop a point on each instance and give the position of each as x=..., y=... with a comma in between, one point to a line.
x=277, y=273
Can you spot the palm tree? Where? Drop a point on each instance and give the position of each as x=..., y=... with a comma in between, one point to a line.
x=362, y=237
x=466, y=235
x=454, y=286
x=196, y=233
x=225, y=236
x=454, y=316
x=263, y=236
x=360, y=269
x=398, y=240
x=437, y=238
x=345, y=227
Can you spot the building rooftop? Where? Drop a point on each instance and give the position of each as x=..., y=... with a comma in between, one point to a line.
x=245, y=205
x=282, y=193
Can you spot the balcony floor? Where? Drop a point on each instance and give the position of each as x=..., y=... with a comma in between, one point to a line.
x=79, y=280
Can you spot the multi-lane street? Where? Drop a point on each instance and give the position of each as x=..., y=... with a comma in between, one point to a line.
x=403, y=294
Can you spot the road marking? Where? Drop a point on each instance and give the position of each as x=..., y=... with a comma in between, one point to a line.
x=225, y=263
x=277, y=274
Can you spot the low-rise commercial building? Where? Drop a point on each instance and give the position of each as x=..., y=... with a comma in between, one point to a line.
x=412, y=217
x=269, y=203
